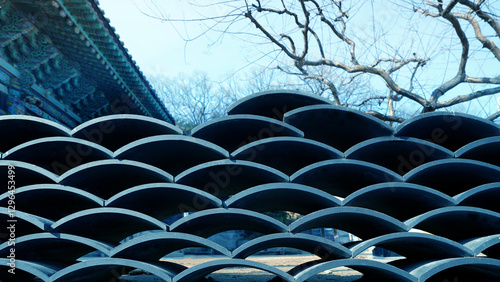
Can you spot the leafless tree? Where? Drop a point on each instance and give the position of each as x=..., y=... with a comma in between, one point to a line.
x=192, y=99
x=414, y=55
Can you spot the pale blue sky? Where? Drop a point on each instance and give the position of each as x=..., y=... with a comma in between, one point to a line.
x=157, y=47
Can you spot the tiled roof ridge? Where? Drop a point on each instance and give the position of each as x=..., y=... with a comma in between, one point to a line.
x=111, y=31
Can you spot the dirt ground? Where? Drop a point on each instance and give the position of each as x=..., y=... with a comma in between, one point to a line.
x=285, y=263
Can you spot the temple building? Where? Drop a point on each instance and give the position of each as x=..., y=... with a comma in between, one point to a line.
x=62, y=60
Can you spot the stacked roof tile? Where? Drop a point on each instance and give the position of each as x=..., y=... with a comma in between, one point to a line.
x=89, y=188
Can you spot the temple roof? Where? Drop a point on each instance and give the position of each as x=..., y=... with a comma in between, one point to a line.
x=70, y=49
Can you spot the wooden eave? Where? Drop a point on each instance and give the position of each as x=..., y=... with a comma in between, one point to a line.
x=80, y=31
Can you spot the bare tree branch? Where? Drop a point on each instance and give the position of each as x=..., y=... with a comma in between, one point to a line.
x=494, y=116
x=377, y=71
x=419, y=64
x=385, y=117
x=329, y=84
x=468, y=97
x=449, y=7
x=362, y=103
x=289, y=53
x=487, y=80
x=305, y=30
x=340, y=35
x=402, y=63
x=460, y=76
x=392, y=112
x=311, y=36
x=481, y=14
x=479, y=35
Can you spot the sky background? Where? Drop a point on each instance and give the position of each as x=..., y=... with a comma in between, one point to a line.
x=159, y=48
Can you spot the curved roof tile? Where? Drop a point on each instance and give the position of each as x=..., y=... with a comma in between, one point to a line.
x=115, y=131
x=172, y=153
x=274, y=103
x=154, y=246
x=286, y=154
x=59, y=200
x=22, y=129
x=28, y=270
x=106, y=269
x=106, y=224
x=343, y=177
x=41, y=247
x=453, y=176
x=485, y=150
x=20, y=223
x=283, y=196
x=232, y=132
x=26, y=173
x=450, y=130
x=201, y=270
x=372, y=270
x=224, y=178
x=58, y=154
x=398, y=199
x=476, y=269
x=336, y=126
x=400, y=155
x=415, y=246
x=457, y=223
x=363, y=223
x=489, y=245
x=107, y=177
x=163, y=199
x=321, y=247
x=485, y=196
x=207, y=223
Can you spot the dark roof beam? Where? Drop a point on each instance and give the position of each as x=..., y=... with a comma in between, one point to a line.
x=99, y=55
